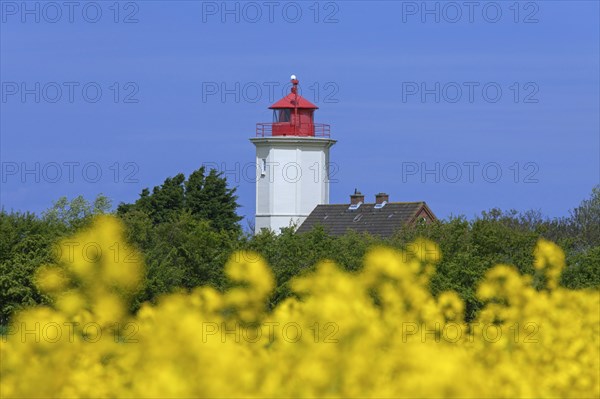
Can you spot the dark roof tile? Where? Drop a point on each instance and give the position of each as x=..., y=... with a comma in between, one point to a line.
x=338, y=219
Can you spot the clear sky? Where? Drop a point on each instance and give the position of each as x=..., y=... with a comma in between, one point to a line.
x=464, y=105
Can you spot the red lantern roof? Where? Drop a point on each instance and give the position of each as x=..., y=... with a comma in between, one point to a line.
x=289, y=102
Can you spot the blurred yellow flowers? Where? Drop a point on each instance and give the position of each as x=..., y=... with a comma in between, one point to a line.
x=374, y=333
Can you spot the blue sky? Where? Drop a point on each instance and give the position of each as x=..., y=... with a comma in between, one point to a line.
x=496, y=105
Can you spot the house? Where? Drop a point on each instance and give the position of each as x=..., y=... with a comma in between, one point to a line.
x=381, y=218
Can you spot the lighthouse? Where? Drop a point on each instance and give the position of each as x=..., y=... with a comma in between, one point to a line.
x=292, y=158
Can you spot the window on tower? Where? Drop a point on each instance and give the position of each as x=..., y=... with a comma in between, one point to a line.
x=263, y=168
x=283, y=115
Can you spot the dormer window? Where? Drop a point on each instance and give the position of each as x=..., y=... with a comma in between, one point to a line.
x=380, y=205
x=354, y=207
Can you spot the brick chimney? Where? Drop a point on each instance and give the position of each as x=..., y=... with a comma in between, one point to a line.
x=381, y=198
x=356, y=198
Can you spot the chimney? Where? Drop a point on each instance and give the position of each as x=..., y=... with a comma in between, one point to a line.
x=381, y=198
x=356, y=198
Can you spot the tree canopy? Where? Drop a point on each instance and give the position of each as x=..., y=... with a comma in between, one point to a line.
x=186, y=229
x=204, y=196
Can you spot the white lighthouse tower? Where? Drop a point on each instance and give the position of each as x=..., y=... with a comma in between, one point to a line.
x=292, y=154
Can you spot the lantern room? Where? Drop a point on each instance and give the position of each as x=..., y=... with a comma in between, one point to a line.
x=293, y=115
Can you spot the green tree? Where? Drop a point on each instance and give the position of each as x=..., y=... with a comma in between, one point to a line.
x=585, y=221
x=76, y=212
x=187, y=229
x=583, y=270
x=184, y=253
x=26, y=243
x=205, y=197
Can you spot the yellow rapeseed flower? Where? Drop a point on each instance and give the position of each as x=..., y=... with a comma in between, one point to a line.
x=375, y=333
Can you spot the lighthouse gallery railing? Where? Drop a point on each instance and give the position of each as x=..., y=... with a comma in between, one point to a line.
x=266, y=130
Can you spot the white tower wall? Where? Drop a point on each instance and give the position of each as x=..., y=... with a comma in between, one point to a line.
x=292, y=179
